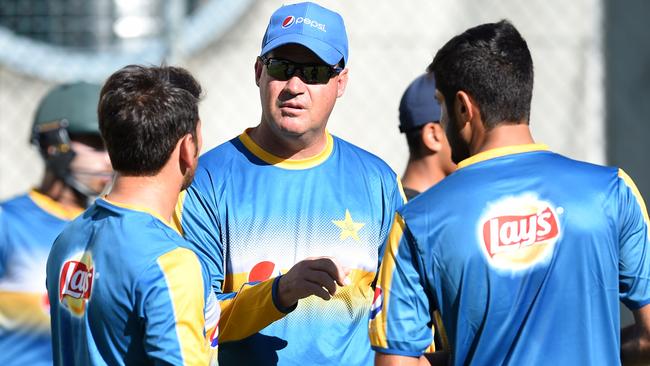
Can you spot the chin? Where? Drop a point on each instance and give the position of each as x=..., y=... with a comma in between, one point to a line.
x=291, y=126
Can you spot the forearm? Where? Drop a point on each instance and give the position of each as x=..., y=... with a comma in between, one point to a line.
x=248, y=312
x=439, y=358
x=383, y=359
x=635, y=346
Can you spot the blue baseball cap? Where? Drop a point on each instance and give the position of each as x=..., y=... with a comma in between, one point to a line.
x=311, y=25
x=418, y=105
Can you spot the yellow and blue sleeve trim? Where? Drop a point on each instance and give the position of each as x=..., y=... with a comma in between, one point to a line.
x=249, y=310
x=377, y=329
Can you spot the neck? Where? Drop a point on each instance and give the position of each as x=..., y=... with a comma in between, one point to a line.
x=289, y=146
x=422, y=174
x=60, y=192
x=154, y=193
x=501, y=136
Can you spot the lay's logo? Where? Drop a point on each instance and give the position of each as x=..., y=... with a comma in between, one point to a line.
x=518, y=232
x=76, y=283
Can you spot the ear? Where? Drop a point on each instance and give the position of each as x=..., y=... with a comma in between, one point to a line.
x=464, y=108
x=258, y=70
x=432, y=136
x=187, y=152
x=341, y=83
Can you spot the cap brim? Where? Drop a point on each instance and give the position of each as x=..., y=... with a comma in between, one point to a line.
x=324, y=51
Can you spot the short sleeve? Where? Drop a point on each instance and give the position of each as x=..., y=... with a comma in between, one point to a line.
x=396, y=199
x=400, y=314
x=171, y=305
x=4, y=243
x=634, y=257
x=197, y=218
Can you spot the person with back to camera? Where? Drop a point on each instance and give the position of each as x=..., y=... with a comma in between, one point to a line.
x=525, y=252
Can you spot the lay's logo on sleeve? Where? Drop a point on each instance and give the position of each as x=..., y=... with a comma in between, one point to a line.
x=76, y=284
x=519, y=232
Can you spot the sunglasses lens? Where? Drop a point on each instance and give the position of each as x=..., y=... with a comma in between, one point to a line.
x=317, y=74
x=278, y=69
x=312, y=74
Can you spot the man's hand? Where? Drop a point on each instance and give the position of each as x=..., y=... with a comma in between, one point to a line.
x=312, y=276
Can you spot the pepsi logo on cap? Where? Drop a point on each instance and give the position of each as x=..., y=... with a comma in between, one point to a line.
x=288, y=21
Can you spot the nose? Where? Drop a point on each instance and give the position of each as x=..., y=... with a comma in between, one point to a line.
x=295, y=85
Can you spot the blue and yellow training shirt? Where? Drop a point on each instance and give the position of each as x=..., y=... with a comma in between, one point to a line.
x=526, y=254
x=253, y=215
x=28, y=226
x=125, y=289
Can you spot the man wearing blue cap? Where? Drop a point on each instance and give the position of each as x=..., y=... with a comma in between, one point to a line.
x=286, y=194
x=429, y=152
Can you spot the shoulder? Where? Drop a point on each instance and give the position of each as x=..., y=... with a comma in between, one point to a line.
x=16, y=203
x=220, y=155
x=363, y=157
x=177, y=266
x=215, y=165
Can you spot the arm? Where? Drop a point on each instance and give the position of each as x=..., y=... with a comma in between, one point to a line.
x=634, y=271
x=382, y=359
x=171, y=304
x=400, y=313
x=242, y=313
x=274, y=298
x=635, y=339
x=255, y=305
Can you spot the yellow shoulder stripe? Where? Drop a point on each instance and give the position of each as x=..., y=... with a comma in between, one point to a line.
x=377, y=329
x=401, y=190
x=184, y=280
x=639, y=199
x=177, y=217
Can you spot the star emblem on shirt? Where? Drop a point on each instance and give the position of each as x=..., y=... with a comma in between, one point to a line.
x=349, y=228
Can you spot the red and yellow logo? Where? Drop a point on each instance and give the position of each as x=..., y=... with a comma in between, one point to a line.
x=76, y=283
x=518, y=232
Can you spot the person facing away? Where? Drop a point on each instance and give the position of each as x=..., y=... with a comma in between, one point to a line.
x=429, y=162
x=77, y=169
x=123, y=285
x=288, y=195
x=429, y=152
x=525, y=252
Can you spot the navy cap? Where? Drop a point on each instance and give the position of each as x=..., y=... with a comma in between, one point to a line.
x=310, y=25
x=418, y=105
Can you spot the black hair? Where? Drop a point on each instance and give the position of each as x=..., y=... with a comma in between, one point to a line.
x=491, y=63
x=414, y=142
x=143, y=112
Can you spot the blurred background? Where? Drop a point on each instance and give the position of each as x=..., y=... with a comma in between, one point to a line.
x=592, y=67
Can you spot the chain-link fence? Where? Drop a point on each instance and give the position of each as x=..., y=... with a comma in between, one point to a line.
x=43, y=42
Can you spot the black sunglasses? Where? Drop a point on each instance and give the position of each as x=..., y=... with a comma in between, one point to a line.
x=284, y=70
